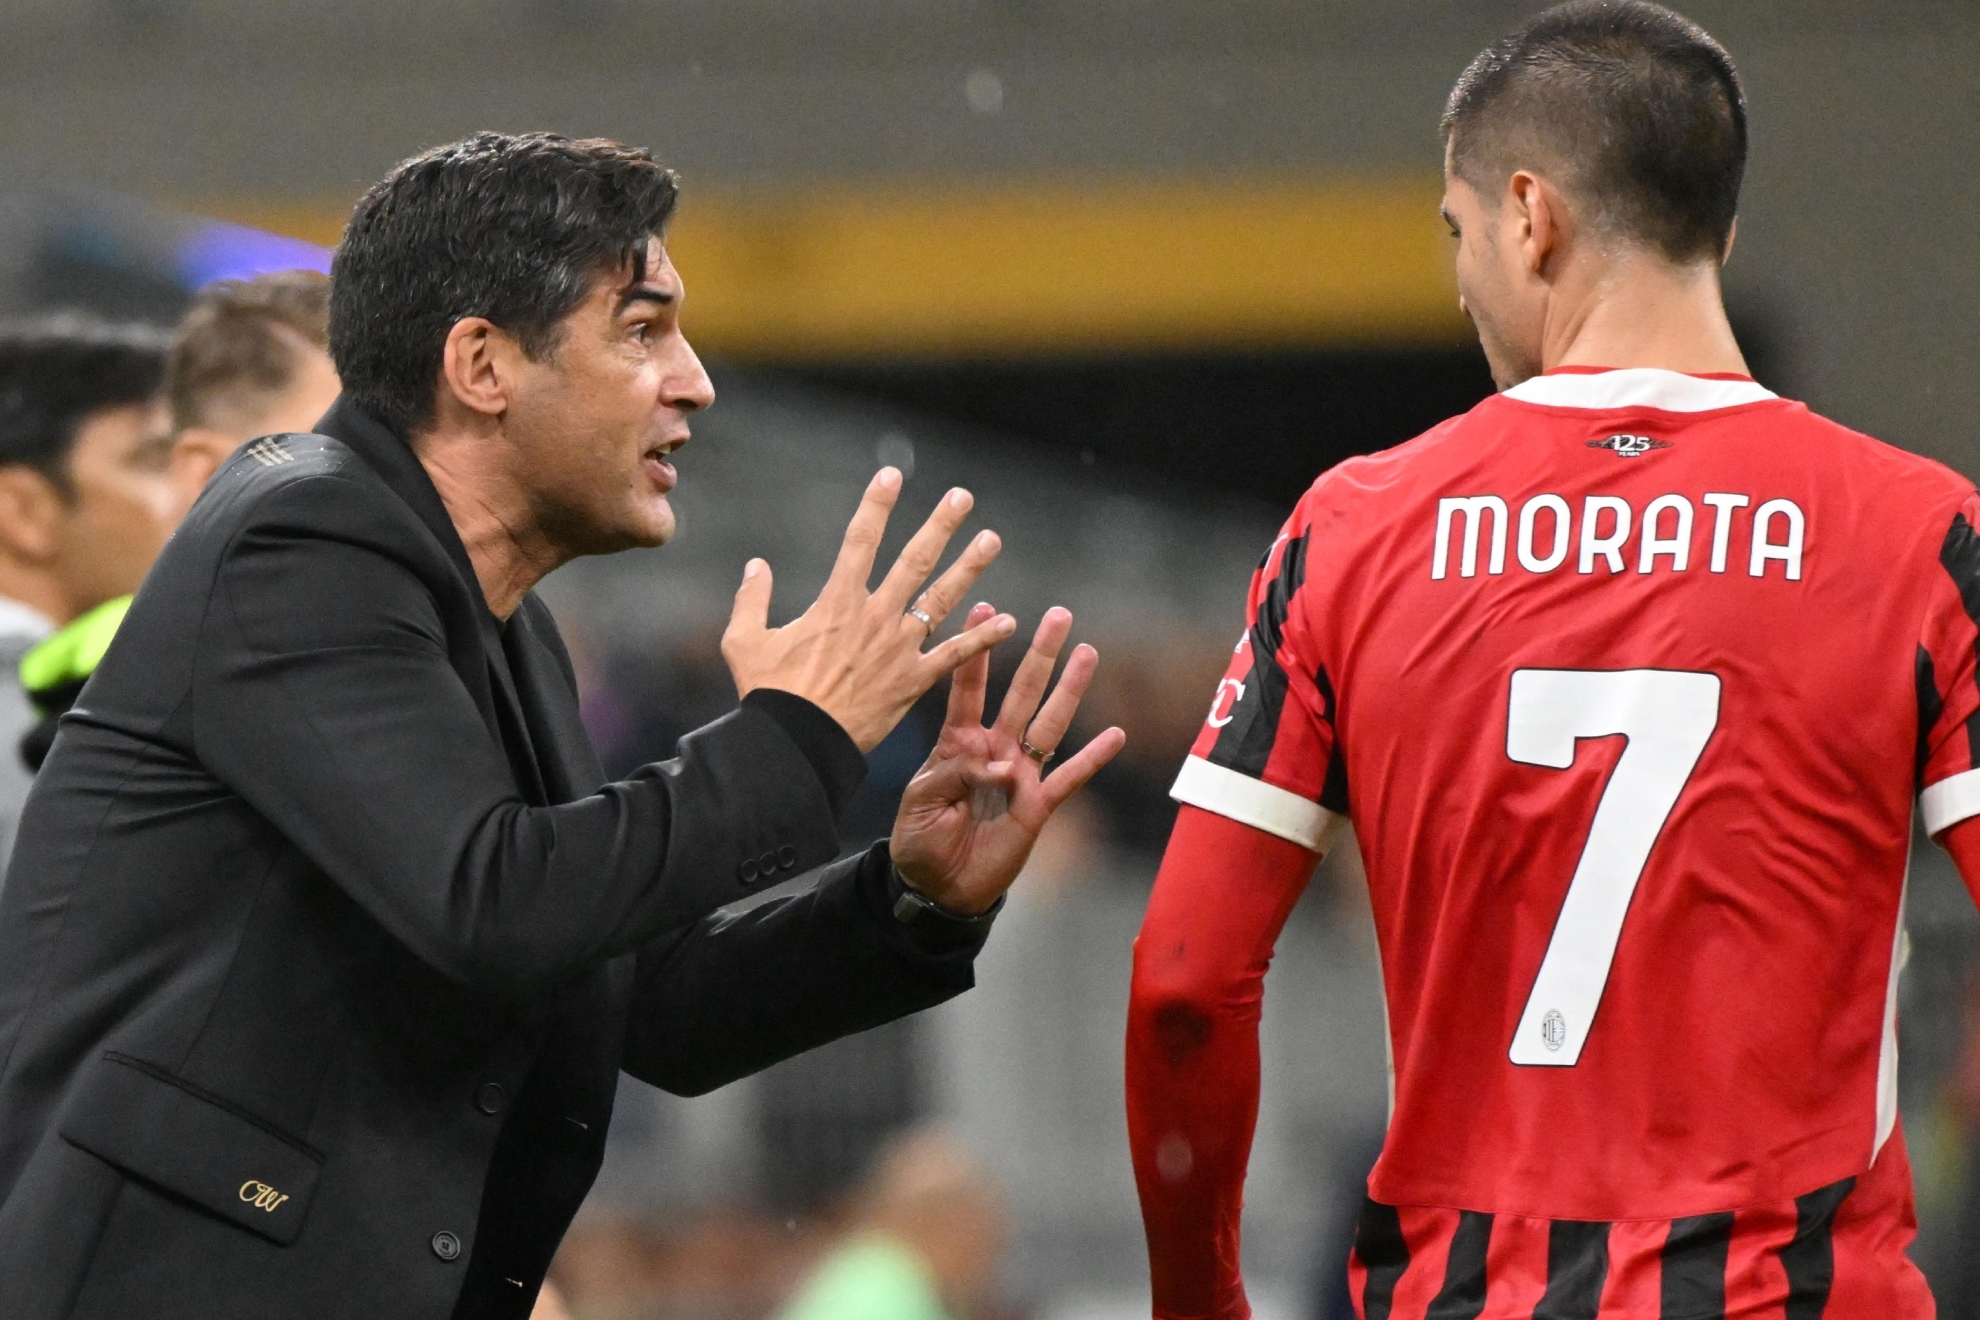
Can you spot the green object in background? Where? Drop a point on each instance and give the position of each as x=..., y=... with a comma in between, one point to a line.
x=868, y=1278
x=68, y=656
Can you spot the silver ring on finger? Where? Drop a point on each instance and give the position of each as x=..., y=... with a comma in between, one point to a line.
x=920, y=616
x=1043, y=758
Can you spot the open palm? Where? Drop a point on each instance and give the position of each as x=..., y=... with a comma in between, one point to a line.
x=973, y=811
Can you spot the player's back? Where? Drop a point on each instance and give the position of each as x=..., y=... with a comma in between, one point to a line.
x=1621, y=678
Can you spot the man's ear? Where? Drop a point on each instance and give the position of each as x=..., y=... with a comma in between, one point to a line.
x=1732, y=237
x=31, y=512
x=1542, y=214
x=197, y=453
x=477, y=367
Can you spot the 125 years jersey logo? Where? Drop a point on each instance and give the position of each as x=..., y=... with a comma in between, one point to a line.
x=1629, y=446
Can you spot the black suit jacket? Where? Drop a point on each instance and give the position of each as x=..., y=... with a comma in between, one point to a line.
x=322, y=945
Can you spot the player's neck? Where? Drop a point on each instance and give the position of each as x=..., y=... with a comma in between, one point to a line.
x=1641, y=312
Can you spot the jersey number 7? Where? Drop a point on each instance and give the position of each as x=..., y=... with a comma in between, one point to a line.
x=1667, y=715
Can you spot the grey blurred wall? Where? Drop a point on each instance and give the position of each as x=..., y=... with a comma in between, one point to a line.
x=1855, y=254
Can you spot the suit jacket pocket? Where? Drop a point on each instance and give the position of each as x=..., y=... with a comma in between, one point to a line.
x=154, y=1126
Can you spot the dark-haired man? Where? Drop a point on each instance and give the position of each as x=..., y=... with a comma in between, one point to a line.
x=249, y=358
x=85, y=499
x=1627, y=680
x=325, y=944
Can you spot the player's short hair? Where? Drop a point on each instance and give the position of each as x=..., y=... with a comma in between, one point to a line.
x=511, y=228
x=1638, y=107
x=55, y=371
x=238, y=344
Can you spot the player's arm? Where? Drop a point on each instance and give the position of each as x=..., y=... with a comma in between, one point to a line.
x=1220, y=900
x=1948, y=683
x=1261, y=792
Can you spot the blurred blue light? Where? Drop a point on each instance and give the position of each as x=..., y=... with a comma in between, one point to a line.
x=220, y=251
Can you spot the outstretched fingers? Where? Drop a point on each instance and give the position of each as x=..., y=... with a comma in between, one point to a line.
x=1055, y=717
x=1070, y=777
x=966, y=646
x=972, y=677
x=1028, y=684
x=952, y=586
x=869, y=523
x=922, y=552
x=751, y=614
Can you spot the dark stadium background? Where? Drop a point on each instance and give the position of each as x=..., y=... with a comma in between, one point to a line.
x=1135, y=270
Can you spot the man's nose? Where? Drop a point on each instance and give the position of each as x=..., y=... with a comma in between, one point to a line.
x=688, y=387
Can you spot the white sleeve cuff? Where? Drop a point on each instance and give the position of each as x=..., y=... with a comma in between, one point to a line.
x=1950, y=801
x=1260, y=805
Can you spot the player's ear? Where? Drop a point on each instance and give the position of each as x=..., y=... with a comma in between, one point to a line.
x=30, y=511
x=1542, y=218
x=1732, y=236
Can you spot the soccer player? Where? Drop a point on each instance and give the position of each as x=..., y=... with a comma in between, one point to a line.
x=1627, y=680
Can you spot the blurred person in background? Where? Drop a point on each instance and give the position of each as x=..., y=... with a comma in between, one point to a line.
x=928, y=1236
x=326, y=941
x=249, y=358
x=86, y=500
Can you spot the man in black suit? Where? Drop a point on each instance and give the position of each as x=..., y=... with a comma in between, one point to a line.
x=323, y=944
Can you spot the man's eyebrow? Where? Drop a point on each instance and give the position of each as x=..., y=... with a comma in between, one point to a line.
x=644, y=293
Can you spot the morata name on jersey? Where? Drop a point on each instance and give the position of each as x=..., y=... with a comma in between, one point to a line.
x=1473, y=530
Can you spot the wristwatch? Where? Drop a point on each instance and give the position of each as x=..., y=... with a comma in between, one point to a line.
x=914, y=908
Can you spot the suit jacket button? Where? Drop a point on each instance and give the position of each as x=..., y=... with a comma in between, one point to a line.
x=748, y=871
x=489, y=1098
x=767, y=863
x=446, y=1246
x=786, y=857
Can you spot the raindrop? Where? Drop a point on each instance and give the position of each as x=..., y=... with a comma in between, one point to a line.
x=984, y=91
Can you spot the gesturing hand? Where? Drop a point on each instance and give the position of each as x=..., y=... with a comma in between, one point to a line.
x=857, y=654
x=973, y=810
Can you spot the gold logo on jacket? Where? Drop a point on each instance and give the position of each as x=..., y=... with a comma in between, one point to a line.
x=261, y=1196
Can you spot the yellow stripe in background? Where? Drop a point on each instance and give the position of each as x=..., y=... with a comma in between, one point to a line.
x=838, y=272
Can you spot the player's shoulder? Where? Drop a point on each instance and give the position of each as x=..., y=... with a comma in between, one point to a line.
x=1913, y=497
x=1387, y=473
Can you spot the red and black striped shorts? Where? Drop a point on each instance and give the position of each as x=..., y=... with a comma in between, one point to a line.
x=1837, y=1253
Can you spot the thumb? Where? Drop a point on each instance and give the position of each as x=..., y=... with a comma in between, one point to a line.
x=752, y=610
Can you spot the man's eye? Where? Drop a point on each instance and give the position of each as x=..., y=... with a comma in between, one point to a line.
x=641, y=331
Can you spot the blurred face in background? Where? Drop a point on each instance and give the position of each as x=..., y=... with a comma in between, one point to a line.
x=230, y=421
x=298, y=407
x=95, y=539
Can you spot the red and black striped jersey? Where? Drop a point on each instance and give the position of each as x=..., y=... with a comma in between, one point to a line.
x=1628, y=681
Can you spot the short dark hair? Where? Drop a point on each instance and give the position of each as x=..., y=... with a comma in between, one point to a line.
x=1639, y=107
x=238, y=341
x=511, y=228
x=55, y=371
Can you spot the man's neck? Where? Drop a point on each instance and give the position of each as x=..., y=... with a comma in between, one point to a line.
x=1639, y=311
x=490, y=512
